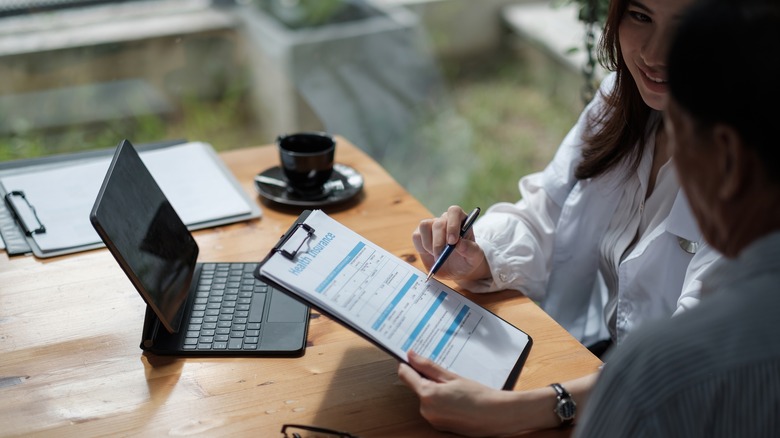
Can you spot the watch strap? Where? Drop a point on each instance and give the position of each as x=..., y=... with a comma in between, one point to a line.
x=565, y=407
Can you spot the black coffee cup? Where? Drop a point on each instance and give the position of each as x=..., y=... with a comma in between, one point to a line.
x=307, y=161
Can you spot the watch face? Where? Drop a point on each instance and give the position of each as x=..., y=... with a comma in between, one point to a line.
x=566, y=408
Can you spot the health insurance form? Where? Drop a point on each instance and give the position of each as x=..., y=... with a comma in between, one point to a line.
x=388, y=301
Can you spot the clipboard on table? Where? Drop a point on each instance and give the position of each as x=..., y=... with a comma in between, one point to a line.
x=46, y=201
x=387, y=301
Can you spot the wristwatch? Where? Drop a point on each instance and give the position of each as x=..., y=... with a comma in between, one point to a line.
x=565, y=407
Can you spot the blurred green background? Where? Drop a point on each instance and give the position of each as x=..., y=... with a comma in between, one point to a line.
x=504, y=118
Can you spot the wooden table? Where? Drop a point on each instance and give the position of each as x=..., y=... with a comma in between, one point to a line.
x=70, y=328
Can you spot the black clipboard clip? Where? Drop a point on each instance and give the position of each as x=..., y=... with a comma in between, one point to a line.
x=24, y=213
x=290, y=255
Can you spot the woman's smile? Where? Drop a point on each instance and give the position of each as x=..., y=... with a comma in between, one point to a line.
x=654, y=82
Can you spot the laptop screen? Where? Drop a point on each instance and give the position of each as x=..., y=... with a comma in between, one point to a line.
x=145, y=235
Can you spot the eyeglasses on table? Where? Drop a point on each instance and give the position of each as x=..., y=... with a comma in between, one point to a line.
x=306, y=431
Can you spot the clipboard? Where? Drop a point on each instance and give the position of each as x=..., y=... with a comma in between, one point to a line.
x=429, y=317
x=45, y=224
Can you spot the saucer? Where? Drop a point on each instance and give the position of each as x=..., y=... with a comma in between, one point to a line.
x=344, y=184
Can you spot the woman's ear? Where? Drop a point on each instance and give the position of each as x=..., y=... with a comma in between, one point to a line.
x=733, y=161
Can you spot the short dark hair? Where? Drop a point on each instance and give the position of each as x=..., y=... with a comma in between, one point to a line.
x=724, y=67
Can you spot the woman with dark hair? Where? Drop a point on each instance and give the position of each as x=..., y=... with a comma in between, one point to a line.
x=603, y=238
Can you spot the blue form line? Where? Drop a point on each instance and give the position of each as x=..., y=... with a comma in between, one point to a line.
x=385, y=313
x=450, y=331
x=424, y=321
x=347, y=260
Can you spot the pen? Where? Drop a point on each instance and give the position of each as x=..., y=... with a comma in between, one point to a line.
x=464, y=228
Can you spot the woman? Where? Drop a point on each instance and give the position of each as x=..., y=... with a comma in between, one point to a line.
x=603, y=238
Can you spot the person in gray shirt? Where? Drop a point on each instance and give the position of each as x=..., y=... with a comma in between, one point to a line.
x=714, y=370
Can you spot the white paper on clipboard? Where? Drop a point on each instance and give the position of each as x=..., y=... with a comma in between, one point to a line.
x=200, y=188
x=388, y=301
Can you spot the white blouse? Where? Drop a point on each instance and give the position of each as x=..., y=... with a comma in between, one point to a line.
x=590, y=252
x=636, y=215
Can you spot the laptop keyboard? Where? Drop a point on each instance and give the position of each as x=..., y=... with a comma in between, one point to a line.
x=228, y=310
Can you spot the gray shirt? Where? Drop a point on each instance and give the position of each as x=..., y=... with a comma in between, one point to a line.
x=709, y=372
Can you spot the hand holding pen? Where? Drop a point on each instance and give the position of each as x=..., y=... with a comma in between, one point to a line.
x=465, y=226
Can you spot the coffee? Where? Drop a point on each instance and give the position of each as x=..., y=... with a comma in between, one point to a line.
x=307, y=161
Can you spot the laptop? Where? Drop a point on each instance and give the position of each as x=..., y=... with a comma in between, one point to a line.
x=193, y=308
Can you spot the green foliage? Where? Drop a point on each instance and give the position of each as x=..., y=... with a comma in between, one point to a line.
x=515, y=128
x=226, y=123
x=298, y=14
x=590, y=10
